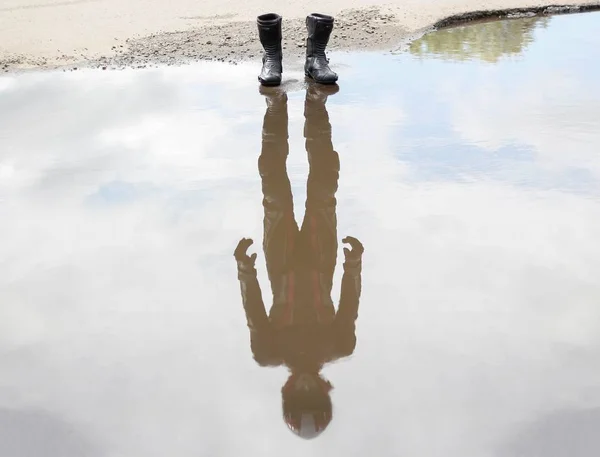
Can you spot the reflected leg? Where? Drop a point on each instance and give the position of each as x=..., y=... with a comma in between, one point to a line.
x=319, y=228
x=280, y=228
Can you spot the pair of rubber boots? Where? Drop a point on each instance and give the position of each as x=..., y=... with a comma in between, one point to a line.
x=319, y=27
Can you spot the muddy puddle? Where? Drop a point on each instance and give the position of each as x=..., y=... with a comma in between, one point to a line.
x=467, y=167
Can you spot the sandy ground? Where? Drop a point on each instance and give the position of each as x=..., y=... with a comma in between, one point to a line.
x=117, y=33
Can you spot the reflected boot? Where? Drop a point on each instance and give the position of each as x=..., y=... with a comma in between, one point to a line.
x=319, y=27
x=275, y=98
x=269, y=33
x=318, y=93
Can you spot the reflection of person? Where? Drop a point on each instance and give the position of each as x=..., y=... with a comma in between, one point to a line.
x=302, y=330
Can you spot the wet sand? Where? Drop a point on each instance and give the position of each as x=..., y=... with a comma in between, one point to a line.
x=112, y=33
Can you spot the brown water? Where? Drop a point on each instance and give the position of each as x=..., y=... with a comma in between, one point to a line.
x=469, y=174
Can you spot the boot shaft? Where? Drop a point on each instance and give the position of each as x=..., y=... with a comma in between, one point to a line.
x=269, y=32
x=319, y=27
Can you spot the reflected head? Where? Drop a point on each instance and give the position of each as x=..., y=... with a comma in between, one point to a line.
x=307, y=408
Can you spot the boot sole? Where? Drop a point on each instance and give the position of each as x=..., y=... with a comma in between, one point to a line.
x=269, y=83
x=326, y=83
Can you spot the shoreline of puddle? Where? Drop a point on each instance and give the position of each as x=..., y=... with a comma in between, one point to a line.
x=10, y=68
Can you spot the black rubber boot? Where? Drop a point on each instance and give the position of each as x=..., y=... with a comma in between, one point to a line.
x=319, y=27
x=269, y=32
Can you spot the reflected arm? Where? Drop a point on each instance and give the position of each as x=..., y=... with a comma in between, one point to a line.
x=345, y=320
x=254, y=307
x=261, y=334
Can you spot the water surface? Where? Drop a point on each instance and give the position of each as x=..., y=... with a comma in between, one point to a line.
x=469, y=170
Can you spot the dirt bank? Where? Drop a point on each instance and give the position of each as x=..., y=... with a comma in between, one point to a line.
x=138, y=33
